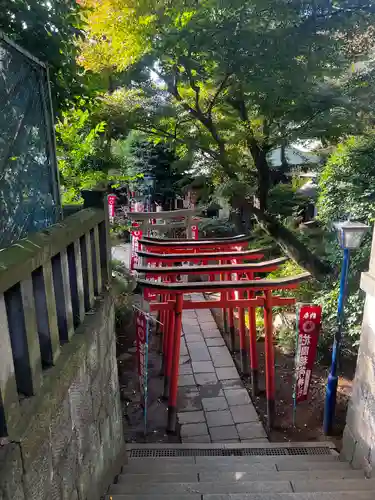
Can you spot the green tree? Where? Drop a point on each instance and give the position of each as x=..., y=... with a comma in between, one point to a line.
x=233, y=81
x=77, y=145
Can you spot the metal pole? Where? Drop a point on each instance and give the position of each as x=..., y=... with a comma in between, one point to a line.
x=331, y=390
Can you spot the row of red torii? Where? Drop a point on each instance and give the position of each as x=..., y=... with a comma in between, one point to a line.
x=163, y=261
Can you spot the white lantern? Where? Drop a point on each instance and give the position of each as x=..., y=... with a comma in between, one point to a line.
x=350, y=233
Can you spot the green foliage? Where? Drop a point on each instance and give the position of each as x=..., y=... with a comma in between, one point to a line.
x=216, y=228
x=83, y=155
x=285, y=202
x=76, y=146
x=347, y=182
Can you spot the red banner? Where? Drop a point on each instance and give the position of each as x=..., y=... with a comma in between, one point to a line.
x=111, y=205
x=136, y=235
x=141, y=332
x=309, y=323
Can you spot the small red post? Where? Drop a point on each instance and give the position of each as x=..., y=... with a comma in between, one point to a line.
x=172, y=404
x=169, y=353
x=253, y=348
x=242, y=329
x=269, y=358
x=232, y=330
x=164, y=334
x=223, y=297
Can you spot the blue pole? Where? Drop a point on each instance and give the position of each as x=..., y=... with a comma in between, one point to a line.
x=331, y=390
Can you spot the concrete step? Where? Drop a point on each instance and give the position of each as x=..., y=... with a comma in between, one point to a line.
x=233, y=464
x=186, y=477
x=276, y=485
x=337, y=495
x=203, y=488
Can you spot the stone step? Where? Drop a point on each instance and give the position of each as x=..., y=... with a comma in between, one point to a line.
x=276, y=486
x=337, y=495
x=203, y=488
x=233, y=464
x=191, y=477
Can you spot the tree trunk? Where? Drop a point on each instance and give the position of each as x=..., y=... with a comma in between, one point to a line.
x=291, y=245
x=287, y=241
x=260, y=160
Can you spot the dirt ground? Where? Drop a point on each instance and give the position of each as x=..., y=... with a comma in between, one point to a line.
x=309, y=414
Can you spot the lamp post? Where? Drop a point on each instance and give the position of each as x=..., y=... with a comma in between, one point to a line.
x=350, y=235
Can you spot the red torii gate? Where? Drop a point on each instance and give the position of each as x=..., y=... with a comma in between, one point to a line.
x=176, y=304
x=171, y=273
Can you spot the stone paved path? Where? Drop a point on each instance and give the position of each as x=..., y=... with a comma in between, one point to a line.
x=213, y=404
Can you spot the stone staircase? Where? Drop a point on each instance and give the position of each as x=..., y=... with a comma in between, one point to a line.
x=243, y=471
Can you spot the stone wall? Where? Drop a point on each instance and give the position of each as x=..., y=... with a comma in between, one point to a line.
x=359, y=435
x=69, y=445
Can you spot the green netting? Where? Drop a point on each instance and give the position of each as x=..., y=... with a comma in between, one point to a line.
x=29, y=199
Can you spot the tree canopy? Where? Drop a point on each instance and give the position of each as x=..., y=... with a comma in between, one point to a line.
x=233, y=80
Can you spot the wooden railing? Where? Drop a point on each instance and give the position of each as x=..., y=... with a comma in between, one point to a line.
x=48, y=283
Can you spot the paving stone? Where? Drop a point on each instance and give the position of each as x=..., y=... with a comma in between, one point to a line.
x=211, y=390
x=218, y=351
x=252, y=430
x=215, y=342
x=191, y=330
x=184, y=360
x=203, y=367
x=188, y=399
x=186, y=369
x=183, y=348
x=196, y=439
x=214, y=404
x=189, y=314
x=191, y=417
x=227, y=373
x=202, y=379
x=208, y=325
x=211, y=333
x=232, y=384
x=186, y=380
x=189, y=321
x=194, y=429
x=243, y=414
x=206, y=319
x=236, y=397
x=198, y=352
x=219, y=434
x=219, y=418
x=194, y=337
x=223, y=361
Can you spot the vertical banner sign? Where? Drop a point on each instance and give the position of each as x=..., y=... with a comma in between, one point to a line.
x=308, y=329
x=136, y=235
x=111, y=206
x=142, y=330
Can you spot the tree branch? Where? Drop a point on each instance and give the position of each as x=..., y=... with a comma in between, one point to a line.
x=217, y=93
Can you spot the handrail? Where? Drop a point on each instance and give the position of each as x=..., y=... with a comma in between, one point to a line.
x=205, y=256
x=262, y=284
x=28, y=254
x=256, y=267
x=195, y=243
